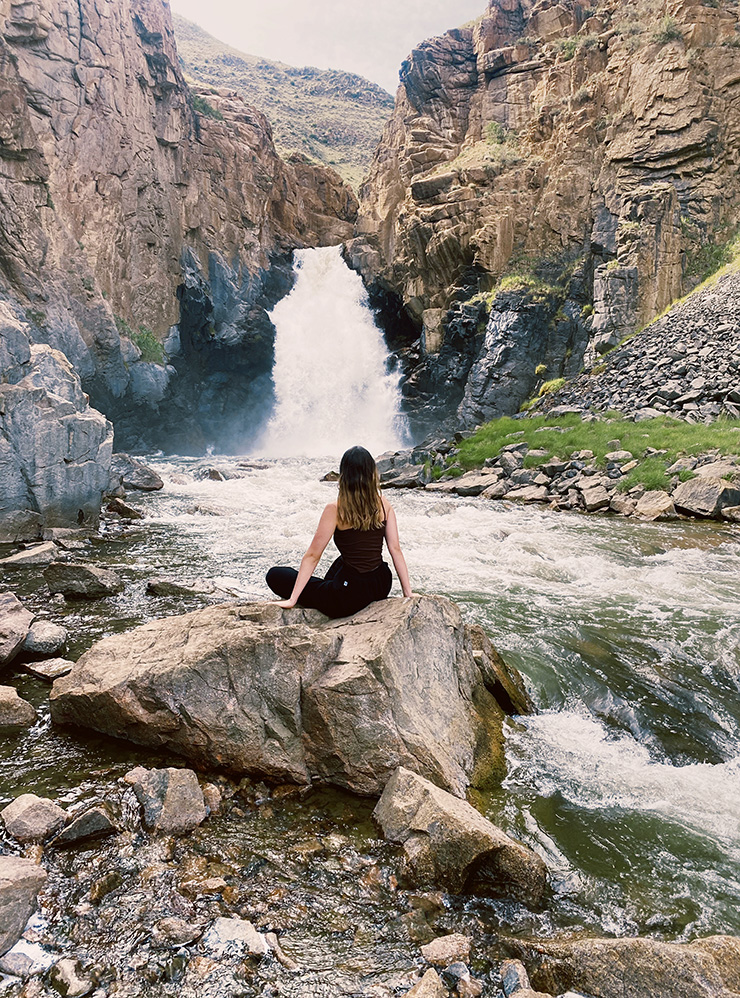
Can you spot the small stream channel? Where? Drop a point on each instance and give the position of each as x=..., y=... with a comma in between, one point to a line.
x=626, y=781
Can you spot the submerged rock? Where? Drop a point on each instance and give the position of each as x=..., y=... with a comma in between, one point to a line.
x=171, y=799
x=32, y=819
x=430, y=986
x=15, y=621
x=20, y=882
x=291, y=696
x=68, y=978
x=449, y=844
x=15, y=713
x=634, y=968
x=235, y=937
x=75, y=581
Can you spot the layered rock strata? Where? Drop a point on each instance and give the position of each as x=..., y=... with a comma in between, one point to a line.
x=581, y=148
x=290, y=696
x=131, y=206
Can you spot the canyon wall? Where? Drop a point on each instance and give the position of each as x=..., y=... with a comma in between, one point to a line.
x=138, y=215
x=552, y=178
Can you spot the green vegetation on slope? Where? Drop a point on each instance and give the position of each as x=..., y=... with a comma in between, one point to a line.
x=561, y=436
x=333, y=117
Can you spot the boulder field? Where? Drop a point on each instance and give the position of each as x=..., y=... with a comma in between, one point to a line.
x=293, y=697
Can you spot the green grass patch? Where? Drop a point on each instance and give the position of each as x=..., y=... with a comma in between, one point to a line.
x=563, y=435
x=201, y=105
x=152, y=350
x=551, y=386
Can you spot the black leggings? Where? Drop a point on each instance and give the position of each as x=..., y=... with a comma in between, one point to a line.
x=342, y=592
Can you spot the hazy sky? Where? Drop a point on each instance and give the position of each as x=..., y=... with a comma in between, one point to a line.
x=369, y=37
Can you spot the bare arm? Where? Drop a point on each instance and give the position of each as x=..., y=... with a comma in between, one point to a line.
x=394, y=548
x=311, y=558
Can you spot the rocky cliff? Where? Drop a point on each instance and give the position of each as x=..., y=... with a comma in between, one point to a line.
x=134, y=212
x=551, y=179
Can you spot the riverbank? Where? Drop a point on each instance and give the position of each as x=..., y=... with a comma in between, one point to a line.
x=653, y=468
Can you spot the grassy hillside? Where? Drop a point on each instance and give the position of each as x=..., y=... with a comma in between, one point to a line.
x=335, y=118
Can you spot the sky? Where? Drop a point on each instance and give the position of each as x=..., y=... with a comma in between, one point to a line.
x=369, y=37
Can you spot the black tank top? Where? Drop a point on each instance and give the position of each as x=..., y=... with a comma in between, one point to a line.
x=361, y=549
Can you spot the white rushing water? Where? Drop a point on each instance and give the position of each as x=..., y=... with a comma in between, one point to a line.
x=332, y=385
x=628, y=636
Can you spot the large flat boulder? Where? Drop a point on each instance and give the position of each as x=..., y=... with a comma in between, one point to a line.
x=447, y=843
x=634, y=968
x=289, y=695
x=20, y=882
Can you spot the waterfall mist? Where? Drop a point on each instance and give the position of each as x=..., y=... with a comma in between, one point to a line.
x=333, y=388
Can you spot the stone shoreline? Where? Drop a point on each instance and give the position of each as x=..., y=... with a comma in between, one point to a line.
x=577, y=483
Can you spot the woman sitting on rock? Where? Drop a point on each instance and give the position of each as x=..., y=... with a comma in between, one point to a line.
x=358, y=521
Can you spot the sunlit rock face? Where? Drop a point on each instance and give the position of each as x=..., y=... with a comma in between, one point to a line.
x=119, y=185
x=587, y=142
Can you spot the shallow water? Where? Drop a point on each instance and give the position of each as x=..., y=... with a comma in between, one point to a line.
x=626, y=781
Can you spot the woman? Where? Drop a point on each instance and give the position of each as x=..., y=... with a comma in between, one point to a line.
x=358, y=521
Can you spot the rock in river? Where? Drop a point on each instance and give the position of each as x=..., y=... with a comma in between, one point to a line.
x=15, y=621
x=15, y=713
x=32, y=819
x=81, y=581
x=20, y=882
x=635, y=968
x=171, y=799
x=449, y=844
x=132, y=474
x=289, y=695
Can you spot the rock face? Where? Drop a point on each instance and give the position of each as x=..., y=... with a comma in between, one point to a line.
x=135, y=211
x=447, y=843
x=54, y=449
x=290, y=696
x=707, y=968
x=20, y=882
x=578, y=149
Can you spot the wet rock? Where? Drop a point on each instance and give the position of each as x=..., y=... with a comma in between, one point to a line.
x=44, y=638
x=283, y=959
x=175, y=932
x=75, y=581
x=15, y=621
x=505, y=683
x=706, y=496
x=447, y=949
x=15, y=713
x=68, y=978
x=291, y=695
x=731, y=513
x=20, y=882
x=235, y=937
x=430, y=986
x=97, y=823
x=121, y=508
x=50, y=668
x=37, y=554
x=655, y=505
x=223, y=586
x=26, y=959
x=211, y=798
x=633, y=968
x=514, y=977
x=171, y=799
x=132, y=474
x=32, y=819
x=448, y=843
x=105, y=885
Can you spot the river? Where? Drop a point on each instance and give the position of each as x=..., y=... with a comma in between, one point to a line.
x=626, y=780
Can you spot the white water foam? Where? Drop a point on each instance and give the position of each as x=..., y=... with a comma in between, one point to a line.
x=332, y=384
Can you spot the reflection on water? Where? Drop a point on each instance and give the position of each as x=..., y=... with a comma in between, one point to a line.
x=627, y=634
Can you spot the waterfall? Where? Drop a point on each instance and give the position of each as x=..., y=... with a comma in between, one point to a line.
x=332, y=384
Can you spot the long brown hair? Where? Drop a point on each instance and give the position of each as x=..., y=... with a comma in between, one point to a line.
x=359, y=505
